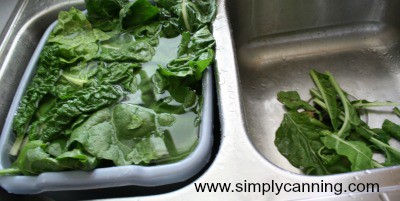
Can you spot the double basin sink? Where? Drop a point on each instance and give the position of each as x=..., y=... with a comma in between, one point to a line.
x=262, y=47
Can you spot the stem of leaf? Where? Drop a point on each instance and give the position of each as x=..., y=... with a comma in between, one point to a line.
x=315, y=93
x=17, y=144
x=10, y=171
x=376, y=164
x=345, y=102
x=375, y=104
x=184, y=15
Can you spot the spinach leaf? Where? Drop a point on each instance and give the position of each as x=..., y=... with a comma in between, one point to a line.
x=71, y=110
x=392, y=154
x=351, y=116
x=125, y=48
x=123, y=134
x=137, y=12
x=57, y=147
x=77, y=160
x=33, y=159
x=195, y=54
x=75, y=37
x=391, y=128
x=396, y=110
x=292, y=101
x=349, y=148
x=84, y=101
x=298, y=139
x=47, y=74
x=358, y=153
x=189, y=15
x=104, y=14
x=329, y=96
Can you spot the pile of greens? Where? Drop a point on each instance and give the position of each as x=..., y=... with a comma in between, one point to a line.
x=328, y=136
x=74, y=114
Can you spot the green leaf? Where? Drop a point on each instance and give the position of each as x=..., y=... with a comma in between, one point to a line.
x=329, y=96
x=75, y=37
x=292, y=101
x=188, y=15
x=391, y=128
x=299, y=141
x=34, y=160
x=47, y=74
x=104, y=14
x=392, y=154
x=195, y=54
x=77, y=160
x=123, y=134
x=351, y=117
x=124, y=48
x=358, y=153
x=126, y=117
x=137, y=12
x=396, y=111
x=84, y=101
x=57, y=147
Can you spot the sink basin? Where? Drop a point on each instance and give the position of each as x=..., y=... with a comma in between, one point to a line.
x=278, y=42
x=262, y=47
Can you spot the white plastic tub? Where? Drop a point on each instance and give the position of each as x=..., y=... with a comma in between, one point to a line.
x=110, y=176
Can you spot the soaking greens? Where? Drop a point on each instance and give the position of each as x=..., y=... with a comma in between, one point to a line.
x=118, y=85
x=327, y=135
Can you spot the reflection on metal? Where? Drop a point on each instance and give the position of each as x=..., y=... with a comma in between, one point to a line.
x=264, y=46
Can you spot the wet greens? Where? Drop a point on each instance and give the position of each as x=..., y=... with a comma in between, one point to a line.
x=102, y=95
x=327, y=135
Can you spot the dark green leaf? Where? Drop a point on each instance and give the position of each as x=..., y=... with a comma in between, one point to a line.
x=137, y=12
x=85, y=101
x=34, y=160
x=292, y=101
x=396, y=111
x=75, y=37
x=77, y=160
x=299, y=141
x=123, y=135
x=329, y=96
x=359, y=154
x=391, y=128
x=104, y=14
x=194, y=56
x=47, y=74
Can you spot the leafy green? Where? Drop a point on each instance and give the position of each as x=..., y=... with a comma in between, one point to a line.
x=391, y=128
x=33, y=159
x=75, y=37
x=297, y=132
x=102, y=95
x=188, y=15
x=86, y=100
x=396, y=110
x=194, y=55
x=125, y=48
x=137, y=12
x=392, y=154
x=328, y=94
x=77, y=160
x=358, y=153
x=122, y=134
x=49, y=66
x=104, y=14
x=292, y=101
x=336, y=140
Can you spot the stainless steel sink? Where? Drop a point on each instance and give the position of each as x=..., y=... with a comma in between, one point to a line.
x=279, y=42
x=263, y=46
